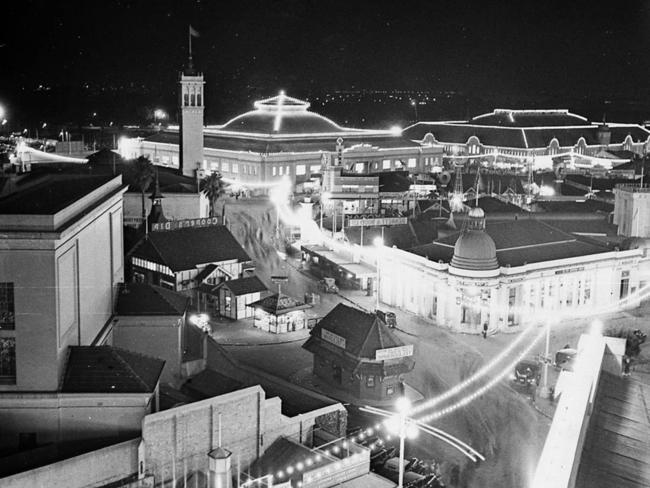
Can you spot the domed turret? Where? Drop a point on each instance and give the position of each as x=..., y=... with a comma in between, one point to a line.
x=474, y=250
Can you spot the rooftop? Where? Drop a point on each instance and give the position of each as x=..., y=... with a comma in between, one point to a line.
x=243, y=286
x=186, y=248
x=279, y=304
x=145, y=299
x=529, y=118
x=519, y=242
x=107, y=369
x=615, y=452
x=47, y=194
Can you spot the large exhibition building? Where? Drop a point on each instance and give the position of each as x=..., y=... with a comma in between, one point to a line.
x=538, y=136
x=512, y=274
x=280, y=138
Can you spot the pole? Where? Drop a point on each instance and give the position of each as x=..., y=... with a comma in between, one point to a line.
x=402, y=434
x=378, y=288
x=362, y=233
x=546, y=354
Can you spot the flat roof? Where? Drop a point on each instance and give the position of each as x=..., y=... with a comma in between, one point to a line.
x=50, y=194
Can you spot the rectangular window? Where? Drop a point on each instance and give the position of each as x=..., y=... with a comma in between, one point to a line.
x=8, y=360
x=512, y=299
x=315, y=168
x=288, y=172
x=412, y=163
x=235, y=168
x=281, y=170
x=7, y=315
x=301, y=169
x=385, y=164
x=225, y=166
x=273, y=171
x=370, y=381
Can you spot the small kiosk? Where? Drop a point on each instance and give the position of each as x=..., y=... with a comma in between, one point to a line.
x=279, y=313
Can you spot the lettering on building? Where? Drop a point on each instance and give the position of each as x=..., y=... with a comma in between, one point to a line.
x=394, y=353
x=332, y=338
x=358, y=222
x=182, y=224
x=569, y=270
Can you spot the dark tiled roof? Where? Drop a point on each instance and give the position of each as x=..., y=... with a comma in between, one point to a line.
x=529, y=118
x=518, y=242
x=615, y=452
x=285, y=452
x=107, y=369
x=363, y=332
x=587, y=206
x=51, y=194
x=279, y=304
x=263, y=145
x=145, y=299
x=528, y=137
x=187, y=248
x=209, y=383
x=243, y=286
x=493, y=205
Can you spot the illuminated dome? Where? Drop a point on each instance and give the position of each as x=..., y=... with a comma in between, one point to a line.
x=475, y=250
x=281, y=115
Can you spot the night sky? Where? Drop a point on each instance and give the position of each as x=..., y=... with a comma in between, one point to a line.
x=129, y=52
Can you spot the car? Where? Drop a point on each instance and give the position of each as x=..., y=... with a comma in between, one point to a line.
x=565, y=358
x=527, y=372
x=388, y=318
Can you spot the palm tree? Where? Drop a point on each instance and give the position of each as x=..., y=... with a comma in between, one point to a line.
x=213, y=187
x=143, y=173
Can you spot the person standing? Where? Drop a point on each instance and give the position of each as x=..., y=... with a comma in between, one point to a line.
x=485, y=329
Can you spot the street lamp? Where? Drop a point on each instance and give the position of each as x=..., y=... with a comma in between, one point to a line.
x=414, y=104
x=159, y=114
x=324, y=200
x=379, y=243
x=406, y=427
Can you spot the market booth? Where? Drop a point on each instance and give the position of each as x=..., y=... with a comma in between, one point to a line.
x=279, y=313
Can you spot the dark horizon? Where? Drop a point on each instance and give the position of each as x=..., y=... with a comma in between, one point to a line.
x=67, y=61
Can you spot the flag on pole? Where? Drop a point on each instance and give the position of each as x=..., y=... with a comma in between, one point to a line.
x=194, y=32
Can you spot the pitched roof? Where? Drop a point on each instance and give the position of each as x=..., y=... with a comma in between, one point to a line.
x=205, y=272
x=363, y=332
x=519, y=242
x=189, y=247
x=263, y=145
x=279, y=304
x=145, y=299
x=243, y=286
x=615, y=451
x=107, y=369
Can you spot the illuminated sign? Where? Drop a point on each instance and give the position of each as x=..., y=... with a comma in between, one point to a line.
x=332, y=338
x=279, y=279
x=182, y=224
x=394, y=353
x=377, y=221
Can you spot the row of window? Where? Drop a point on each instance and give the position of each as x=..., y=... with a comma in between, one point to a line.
x=159, y=268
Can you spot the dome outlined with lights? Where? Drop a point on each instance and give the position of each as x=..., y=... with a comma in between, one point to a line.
x=474, y=249
x=282, y=115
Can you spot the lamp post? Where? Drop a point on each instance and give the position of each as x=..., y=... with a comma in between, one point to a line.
x=414, y=104
x=379, y=243
x=406, y=427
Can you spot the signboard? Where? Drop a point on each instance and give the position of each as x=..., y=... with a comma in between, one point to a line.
x=332, y=338
x=394, y=353
x=569, y=270
x=182, y=224
x=377, y=221
x=279, y=279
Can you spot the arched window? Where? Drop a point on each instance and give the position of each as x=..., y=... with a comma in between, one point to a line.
x=186, y=99
x=198, y=100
